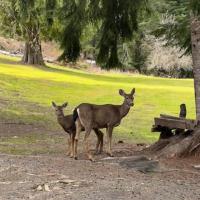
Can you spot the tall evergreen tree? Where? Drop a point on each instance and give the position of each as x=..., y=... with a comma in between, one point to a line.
x=118, y=19
x=32, y=18
x=195, y=43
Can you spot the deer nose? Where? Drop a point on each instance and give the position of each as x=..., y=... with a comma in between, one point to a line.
x=132, y=104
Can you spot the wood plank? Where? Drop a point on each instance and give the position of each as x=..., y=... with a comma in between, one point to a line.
x=169, y=116
x=183, y=111
x=178, y=118
x=170, y=123
x=175, y=123
x=191, y=124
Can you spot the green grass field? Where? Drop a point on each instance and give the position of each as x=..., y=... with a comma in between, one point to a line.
x=26, y=93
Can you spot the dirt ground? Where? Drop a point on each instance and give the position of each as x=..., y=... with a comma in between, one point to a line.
x=55, y=176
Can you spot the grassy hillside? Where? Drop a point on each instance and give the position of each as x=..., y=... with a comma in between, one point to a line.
x=26, y=93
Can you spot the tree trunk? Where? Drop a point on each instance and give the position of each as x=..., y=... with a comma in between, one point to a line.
x=195, y=39
x=187, y=143
x=33, y=51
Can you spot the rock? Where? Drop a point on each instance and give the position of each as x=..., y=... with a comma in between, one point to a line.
x=39, y=188
x=46, y=188
x=140, y=163
x=196, y=166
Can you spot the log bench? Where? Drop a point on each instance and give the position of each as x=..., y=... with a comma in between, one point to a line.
x=169, y=126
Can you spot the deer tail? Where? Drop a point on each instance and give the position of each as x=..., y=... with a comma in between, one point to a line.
x=75, y=114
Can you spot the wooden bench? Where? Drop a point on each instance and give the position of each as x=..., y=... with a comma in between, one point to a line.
x=169, y=125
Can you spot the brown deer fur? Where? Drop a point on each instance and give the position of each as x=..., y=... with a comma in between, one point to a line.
x=107, y=116
x=67, y=123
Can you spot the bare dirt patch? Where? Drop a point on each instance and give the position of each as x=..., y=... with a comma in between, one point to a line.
x=47, y=173
x=26, y=177
x=51, y=176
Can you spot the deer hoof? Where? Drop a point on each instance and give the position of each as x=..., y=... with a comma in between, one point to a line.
x=91, y=158
x=75, y=158
x=110, y=154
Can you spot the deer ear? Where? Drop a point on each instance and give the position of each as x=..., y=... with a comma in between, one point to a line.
x=53, y=104
x=133, y=91
x=64, y=104
x=121, y=92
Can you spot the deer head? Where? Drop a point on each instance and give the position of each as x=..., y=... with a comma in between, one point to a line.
x=128, y=98
x=59, y=109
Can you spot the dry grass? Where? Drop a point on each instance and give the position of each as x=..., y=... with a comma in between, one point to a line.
x=167, y=57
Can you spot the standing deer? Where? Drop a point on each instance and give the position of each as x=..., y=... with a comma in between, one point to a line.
x=67, y=123
x=107, y=116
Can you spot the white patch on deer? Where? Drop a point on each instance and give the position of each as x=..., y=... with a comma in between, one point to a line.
x=78, y=111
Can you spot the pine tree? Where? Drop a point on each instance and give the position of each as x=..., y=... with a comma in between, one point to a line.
x=195, y=43
x=118, y=20
x=32, y=18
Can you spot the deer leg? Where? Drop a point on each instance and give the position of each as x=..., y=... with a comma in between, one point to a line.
x=109, y=140
x=99, y=135
x=98, y=142
x=99, y=146
x=78, y=131
x=72, y=145
x=87, y=134
x=69, y=145
x=101, y=141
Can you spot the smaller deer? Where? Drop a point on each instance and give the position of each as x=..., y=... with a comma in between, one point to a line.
x=67, y=123
x=91, y=116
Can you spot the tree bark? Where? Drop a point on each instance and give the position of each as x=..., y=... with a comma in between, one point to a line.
x=195, y=40
x=33, y=51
